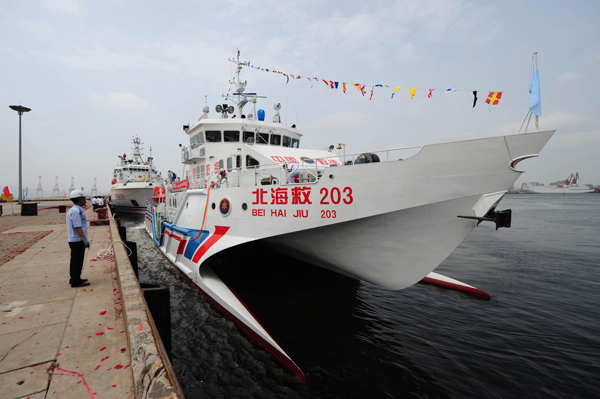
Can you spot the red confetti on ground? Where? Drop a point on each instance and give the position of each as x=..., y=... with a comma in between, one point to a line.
x=118, y=366
x=114, y=386
x=103, y=312
x=110, y=328
x=100, y=333
x=123, y=350
x=97, y=367
x=101, y=349
x=104, y=359
x=21, y=317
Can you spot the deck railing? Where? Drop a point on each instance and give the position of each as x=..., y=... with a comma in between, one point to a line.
x=310, y=172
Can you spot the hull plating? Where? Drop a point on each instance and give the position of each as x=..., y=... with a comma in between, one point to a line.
x=388, y=223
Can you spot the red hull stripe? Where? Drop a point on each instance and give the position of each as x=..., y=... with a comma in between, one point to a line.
x=181, y=247
x=172, y=235
x=469, y=290
x=216, y=236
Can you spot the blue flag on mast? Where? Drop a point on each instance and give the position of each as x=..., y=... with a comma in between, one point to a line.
x=535, y=102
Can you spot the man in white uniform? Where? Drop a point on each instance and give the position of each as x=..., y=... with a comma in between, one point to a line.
x=78, y=238
x=292, y=171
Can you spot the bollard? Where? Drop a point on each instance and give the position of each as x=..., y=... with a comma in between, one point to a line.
x=133, y=258
x=62, y=208
x=159, y=302
x=29, y=209
x=101, y=213
x=123, y=232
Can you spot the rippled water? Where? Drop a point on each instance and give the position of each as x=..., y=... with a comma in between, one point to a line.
x=537, y=337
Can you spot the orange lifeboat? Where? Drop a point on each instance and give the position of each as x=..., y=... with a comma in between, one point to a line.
x=158, y=194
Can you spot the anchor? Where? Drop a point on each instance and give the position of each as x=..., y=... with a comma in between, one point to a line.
x=501, y=218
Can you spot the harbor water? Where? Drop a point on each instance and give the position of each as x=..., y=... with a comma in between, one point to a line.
x=537, y=337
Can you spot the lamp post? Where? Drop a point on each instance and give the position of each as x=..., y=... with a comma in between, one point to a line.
x=20, y=109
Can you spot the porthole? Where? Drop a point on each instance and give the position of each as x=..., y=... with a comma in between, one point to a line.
x=213, y=206
x=331, y=176
x=244, y=206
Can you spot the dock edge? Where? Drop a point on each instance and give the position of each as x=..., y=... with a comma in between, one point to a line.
x=153, y=373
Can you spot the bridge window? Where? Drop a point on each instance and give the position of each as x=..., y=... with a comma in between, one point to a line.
x=295, y=143
x=196, y=140
x=248, y=137
x=287, y=141
x=213, y=136
x=231, y=136
x=275, y=139
x=262, y=138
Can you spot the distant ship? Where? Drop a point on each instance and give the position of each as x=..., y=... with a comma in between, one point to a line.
x=133, y=181
x=568, y=186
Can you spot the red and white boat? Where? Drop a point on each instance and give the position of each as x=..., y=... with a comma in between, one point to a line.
x=370, y=216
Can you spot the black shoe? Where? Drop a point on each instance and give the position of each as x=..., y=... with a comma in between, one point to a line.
x=80, y=284
x=83, y=280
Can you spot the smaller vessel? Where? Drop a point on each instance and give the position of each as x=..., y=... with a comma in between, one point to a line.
x=133, y=181
x=568, y=186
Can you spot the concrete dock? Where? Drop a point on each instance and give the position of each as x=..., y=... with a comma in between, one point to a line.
x=61, y=342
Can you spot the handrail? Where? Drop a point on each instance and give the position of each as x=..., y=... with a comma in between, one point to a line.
x=269, y=168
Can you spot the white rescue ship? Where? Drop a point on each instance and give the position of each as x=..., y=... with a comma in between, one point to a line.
x=370, y=216
x=133, y=181
x=567, y=186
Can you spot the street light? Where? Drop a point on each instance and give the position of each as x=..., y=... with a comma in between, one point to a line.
x=20, y=109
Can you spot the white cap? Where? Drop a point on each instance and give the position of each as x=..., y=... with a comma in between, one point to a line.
x=77, y=194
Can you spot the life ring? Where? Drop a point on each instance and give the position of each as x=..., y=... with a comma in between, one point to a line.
x=114, y=180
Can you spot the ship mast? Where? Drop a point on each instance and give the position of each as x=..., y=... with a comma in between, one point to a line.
x=537, y=126
x=529, y=113
x=137, y=152
x=239, y=97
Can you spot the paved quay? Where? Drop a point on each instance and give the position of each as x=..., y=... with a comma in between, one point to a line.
x=63, y=342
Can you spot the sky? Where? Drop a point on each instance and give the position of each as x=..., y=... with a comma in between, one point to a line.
x=97, y=72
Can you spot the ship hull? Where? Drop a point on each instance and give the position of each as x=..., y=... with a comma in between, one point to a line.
x=132, y=198
x=556, y=190
x=388, y=223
